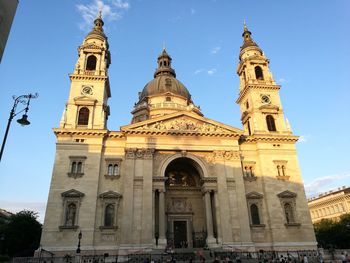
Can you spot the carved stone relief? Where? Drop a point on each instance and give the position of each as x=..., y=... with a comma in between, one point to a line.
x=184, y=124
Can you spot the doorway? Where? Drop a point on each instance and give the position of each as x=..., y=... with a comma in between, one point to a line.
x=180, y=234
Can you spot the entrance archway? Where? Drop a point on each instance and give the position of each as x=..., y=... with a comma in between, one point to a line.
x=186, y=222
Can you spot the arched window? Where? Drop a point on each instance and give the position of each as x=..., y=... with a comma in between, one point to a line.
x=91, y=63
x=270, y=121
x=254, y=212
x=258, y=73
x=110, y=169
x=79, y=167
x=109, y=215
x=288, y=211
x=167, y=98
x=83, y=118
x=73, y=167
x=279, y=170
x=70, y=214
x=116, y=169
x=283, y=170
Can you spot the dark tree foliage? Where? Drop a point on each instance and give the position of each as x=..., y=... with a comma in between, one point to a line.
x=333, y=234
x=21, y=234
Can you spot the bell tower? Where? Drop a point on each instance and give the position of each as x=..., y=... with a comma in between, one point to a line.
x=259, y=98
x=87, y=106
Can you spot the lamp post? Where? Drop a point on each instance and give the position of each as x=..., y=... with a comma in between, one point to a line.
x=23, y=99
x=79, y=238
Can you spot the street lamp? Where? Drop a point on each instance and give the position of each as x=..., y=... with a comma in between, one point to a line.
x=23, y=99
x=79, y=238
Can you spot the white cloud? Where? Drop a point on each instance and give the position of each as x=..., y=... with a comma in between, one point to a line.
x=322, y=184
x=15, y=207
x=303, y=138
x=281, y=80
x=211, y=71
x=199, y=71
x=111, y=10
x=215, y=50
x=208, y=71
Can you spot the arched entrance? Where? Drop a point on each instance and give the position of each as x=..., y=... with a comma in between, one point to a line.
x=185, y=214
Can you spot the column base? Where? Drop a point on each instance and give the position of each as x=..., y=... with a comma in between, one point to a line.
x=162, y=243
x=211, y=241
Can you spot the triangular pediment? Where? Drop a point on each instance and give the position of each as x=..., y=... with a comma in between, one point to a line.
x=72, y=193
x=287, y=194
x=110, y=195
x=182, y=122
x=254, y=195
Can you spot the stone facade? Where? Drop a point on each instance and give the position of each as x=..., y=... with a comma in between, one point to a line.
x=330, y=205
x=173, y=177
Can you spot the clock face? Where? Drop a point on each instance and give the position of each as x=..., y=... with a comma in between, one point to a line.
x=265, y=99
x=86, y=90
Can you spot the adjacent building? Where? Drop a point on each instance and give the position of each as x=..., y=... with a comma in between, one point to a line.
x=172, y=177
x=330, y=205
x=7, y=13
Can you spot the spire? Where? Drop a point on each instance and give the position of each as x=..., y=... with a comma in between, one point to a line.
x=164, y=64
x=247, y=39
x=98, y=27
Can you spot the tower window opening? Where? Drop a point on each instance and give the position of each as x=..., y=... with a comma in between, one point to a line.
x=254, y=212
x=288, y=211
x=109, y=215
x=247, y=105
x=168, y=99
x=71, y=214
x=249, y=130
x=91, y=63
x=270, y=121
x=83, y=117
x=258, y=73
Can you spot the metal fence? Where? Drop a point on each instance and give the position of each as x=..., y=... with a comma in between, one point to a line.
x=187, y=255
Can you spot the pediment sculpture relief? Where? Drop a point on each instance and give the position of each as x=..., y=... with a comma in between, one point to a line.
x=184, y=124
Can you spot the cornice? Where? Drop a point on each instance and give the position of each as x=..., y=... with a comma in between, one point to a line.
x=255, y=86
x=181, y=133
x=85, y=132
x=87, y=77
x=272, y=138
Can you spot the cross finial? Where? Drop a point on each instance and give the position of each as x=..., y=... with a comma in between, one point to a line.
x=99, y=13
x=245, y=26
x=164, y=47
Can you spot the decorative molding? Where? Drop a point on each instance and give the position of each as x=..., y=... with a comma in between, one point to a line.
x=141, y=153
x=75, y=175
x=283, y=178
x=72, y=194
x=250, y=178
x=68, y=228
x=287, y=194
x=254, y=195
x=225, y=155
x=110, y=195
x=255, y=86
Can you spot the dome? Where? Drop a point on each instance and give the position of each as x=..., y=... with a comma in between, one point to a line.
x=162, y=84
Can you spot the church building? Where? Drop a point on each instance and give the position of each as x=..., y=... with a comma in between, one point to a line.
x=172, y=177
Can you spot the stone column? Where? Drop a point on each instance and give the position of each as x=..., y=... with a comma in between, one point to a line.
x=162, y=238
x=209, y=218
x=154, y=215
x=217, y=215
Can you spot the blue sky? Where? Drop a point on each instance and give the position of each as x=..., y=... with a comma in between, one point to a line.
x=307, y=43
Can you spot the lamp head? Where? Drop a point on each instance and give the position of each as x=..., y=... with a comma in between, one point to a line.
x=24, y=120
